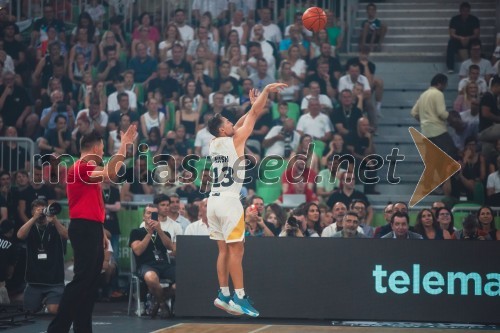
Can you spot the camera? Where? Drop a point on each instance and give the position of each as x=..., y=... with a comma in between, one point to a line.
x=294, y=225
x=52, y=210
x=61, y=107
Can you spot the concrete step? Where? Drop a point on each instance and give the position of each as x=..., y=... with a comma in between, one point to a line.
x=403, y=120
x=441, y=21
x=426, y=30
x=383, y=199
x=424, y=11
x=410, y=46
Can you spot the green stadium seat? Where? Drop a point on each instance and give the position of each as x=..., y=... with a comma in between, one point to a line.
x=170, y=121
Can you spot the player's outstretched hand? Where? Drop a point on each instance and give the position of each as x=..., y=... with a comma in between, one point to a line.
x=129, y=136
x=253, y=94
x=276, y=87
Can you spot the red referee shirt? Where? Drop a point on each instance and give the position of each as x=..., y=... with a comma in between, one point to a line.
x=84, y=198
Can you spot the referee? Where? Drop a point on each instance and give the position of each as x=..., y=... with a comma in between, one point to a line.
x=86, y=212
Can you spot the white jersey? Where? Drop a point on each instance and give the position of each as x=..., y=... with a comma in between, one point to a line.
x=225, y=161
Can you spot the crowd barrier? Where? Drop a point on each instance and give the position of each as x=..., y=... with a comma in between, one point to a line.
x=350, y=279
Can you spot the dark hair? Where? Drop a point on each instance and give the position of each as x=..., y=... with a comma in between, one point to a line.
x=474, y=66
x=352, y=213
x=451, y=228
x=307, y=206
x=109, y=48
x=419, y=227
x=355, y=201
x=4, y=172
x=90, y=28
x=120, y=95
x=371, y=4
x=495, y=81
x=149, y=205
x=279, y=212
x=255, y=197
x=214, y=124
x=465, y=5
x=253, y=44
x=89, y=140
x=59, y=116
x=492, y=225
x=144, y=14
x=179, y=10
x=160, y=198
x=118, y=78
x=439, y=79
x=474, y=42
x=38, y=203
x=400, y=214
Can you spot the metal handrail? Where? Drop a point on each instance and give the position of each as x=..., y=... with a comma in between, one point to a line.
x=26, y=143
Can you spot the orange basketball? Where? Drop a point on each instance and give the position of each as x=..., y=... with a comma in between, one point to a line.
x=314, y=19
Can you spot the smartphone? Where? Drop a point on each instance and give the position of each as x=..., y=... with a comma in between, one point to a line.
x=154, y=216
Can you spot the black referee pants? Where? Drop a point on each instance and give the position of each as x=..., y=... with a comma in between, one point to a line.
x=78, y=299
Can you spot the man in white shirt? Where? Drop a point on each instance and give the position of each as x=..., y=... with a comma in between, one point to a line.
x=187, y=33
x=258, y=37
x=113, y=105
x=202, y=39
x=271, y=31
x=314, y=91
x=486, y=70
x=173, y=212
x=315, y=123
x=203, y=138
x=254, y=53
x=200, y=227
x=473, y=76
x=282, y=140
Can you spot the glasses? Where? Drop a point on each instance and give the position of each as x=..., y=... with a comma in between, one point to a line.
x=444, y=214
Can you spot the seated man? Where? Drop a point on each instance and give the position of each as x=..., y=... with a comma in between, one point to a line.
x=345, y=117
x=381, y=230
x=44, y=259
x=493, y=186
x=486, y=70
x=149, y=245
x=359, y=206
x=400, y=224
x=473, y=76
x=339, y=210
x=282, y=140
x=314, y=91
x=350, y=224
x=470, y=230
x=372, y=29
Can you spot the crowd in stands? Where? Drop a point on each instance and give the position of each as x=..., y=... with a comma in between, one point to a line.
x=59, y=85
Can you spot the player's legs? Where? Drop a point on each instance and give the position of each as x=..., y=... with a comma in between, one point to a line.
x=236, y=251
x=223, y=264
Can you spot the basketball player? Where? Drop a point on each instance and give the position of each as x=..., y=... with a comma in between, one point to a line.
x=225, y=212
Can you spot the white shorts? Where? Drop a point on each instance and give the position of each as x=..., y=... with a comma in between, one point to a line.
x=225, y=218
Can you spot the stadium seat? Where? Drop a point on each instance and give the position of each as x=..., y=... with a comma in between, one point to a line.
x=170, y=120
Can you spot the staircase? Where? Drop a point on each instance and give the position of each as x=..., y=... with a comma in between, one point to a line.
x=420, y=29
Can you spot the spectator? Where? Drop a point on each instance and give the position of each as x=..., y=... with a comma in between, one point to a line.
x=473, y=76
x=385, y=229
x=143, y=38
x=174, y=214
x=36, y=190
x=45, y=68
x=52, y=38
x=92, y=34
x=111, y=198
x=298, y=24
x=231, y=100
x=293, y=225
x=334, y=30
x=430, y=111
x=486, y=221
x=238, y=24
x=349, y=81
x=470, y=230
x=77, y=72
x=444, y=216
x=489, y=115
x=109, y=40
x=180, y=68
x=255, y=224
x=149, y=245
x=143, y=65
x=98, y=119
x=299, y=179
x=57, y=141
x=110, y=67
x=6, y=195
x=428, y=227
x=328, y=180
x=255, y=52
x=217, y=7
x=314, y=92
x=114, y=139
x=367, y=69
x=319, y=38
x=314, y=123
x=152, y=118
x=271, y=31
x=306, y=148
x=113, y=104
x=16, y=106
x=435, y=206
x=115, y=117
x=359, y=206
x=138, y=180
x=295, y=38
x=350, y=227
x=206, y=22
x=334, y=67
x=145, y=20
x=203, y=138
x=261, y=78
x=327, y=82
x=468, y=102
x=275, y=218
x=226, y=75
x=347, y=194
x=187, y=33
x=400, y=223
x=291, y=92
x=44, y=259
x=297, y=63
x=312, y=216
x=372, y=29
x=14, y=48
x=187, y=117
x=190, y=91
x=281, y=140
x=203, y=39
x=338, y=211
x=233, y=38
x=200, y=227
x=58, y=108
x=83, y=46
x=345, y=117
x=172, y=38
x=493, y=186
x=335, y=147
x=486, y=70
x=462, y=29
x=41, y=25
x=204, y=83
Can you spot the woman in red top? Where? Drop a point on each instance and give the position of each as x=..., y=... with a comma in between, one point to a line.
x=86, y=212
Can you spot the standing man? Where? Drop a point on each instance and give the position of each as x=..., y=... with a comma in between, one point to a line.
x=225, y=212
x=87, y=213
x=430, y=111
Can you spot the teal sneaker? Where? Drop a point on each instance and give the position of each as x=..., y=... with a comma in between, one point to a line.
x=222, y=302
x=243, y=305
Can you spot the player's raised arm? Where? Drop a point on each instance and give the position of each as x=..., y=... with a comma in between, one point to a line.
x=243, y=131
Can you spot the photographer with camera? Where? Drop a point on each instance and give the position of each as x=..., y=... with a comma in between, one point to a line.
x=282, y=140
x=58, y=107
x=295, y=224
x=44, y=236
x=57, y=140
